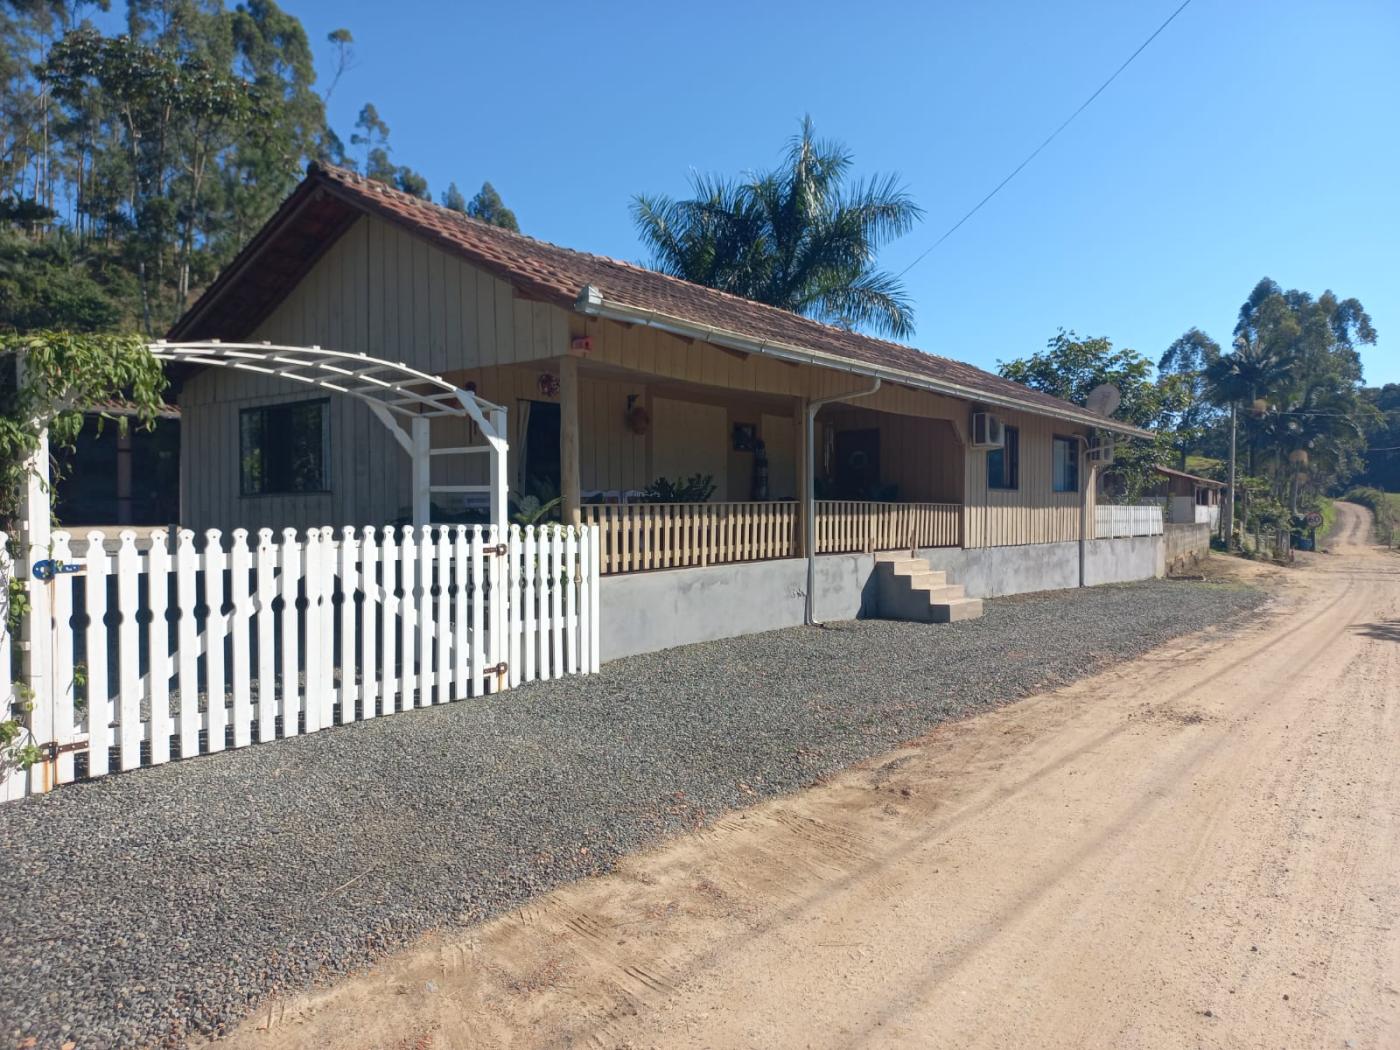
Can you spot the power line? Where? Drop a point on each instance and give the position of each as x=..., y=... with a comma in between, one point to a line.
x=1053, y=135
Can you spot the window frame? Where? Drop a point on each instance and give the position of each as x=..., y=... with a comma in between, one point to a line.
x=1009, y=457
x=1073, y=443
x=323, y=403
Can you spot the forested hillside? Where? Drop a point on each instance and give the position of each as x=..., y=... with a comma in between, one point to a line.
x=134, y=164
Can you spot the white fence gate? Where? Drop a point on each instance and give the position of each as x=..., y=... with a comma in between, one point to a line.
x=186, y=649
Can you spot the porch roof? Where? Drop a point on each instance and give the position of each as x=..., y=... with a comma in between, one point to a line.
x=329, y=200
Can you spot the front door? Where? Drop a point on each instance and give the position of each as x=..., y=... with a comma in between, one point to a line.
x=857, y=463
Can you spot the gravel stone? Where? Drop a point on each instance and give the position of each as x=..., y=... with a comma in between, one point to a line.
x=143, y=907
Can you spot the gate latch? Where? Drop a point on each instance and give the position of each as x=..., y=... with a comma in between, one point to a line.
x=47, y=568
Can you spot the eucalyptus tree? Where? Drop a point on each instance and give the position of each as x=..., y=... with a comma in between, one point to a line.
x=803, y=236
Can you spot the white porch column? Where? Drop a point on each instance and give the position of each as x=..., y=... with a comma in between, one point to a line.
x=500, y=476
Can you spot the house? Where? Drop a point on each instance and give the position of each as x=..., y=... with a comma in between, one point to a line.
x=614, y=377
x=1186, y=498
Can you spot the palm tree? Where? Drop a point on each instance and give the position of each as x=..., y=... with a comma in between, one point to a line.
x=800, y=237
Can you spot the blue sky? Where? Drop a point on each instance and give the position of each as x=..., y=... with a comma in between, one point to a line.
x=1253, y=138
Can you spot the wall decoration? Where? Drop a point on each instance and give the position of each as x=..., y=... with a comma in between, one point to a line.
x=637, y=417
x=745, y=437
x=548, y=384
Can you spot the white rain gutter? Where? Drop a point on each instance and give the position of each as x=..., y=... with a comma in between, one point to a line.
x=809, y=494
x=591, y=302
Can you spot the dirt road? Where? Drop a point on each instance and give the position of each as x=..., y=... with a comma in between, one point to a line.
x=1200, y=848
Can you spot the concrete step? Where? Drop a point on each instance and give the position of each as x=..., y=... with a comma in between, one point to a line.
x=924, y=581
x=957, y=609
x=908, y=589
x=900, y=566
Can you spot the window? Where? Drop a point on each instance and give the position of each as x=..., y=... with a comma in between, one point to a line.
x=284, y=448
x=1004, y=464
x=1065, y=465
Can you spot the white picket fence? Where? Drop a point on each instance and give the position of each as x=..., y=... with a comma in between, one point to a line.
x=170, y=652
x=1113, y=521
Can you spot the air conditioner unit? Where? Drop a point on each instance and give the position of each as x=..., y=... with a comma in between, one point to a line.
x=1100, y=452
x=987, y=431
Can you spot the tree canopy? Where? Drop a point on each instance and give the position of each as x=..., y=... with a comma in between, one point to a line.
x=803, y=236
x=134, y=165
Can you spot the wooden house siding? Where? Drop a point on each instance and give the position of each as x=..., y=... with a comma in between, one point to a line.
x=387, y=293
x=378, y=291
x=1033, y=512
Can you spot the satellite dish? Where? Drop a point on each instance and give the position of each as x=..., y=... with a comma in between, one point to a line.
x=1103, y=400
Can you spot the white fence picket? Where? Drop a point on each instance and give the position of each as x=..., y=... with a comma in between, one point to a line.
x=556, y=601
x=512, y=584
x=389, y=621
x=298, y=627
x=369, y=624
x=186, y=642
x=240, y=600
x=99, y=700
x=215, y=631
x=348, y=692
x=477, y=629
x=290, y=564
x=64, y=677
x=408, y=615
x=266, y=590
x=427, y=619
x=128, y=649
x=158, y=645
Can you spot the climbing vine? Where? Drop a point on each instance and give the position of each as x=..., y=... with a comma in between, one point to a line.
x=64, y=375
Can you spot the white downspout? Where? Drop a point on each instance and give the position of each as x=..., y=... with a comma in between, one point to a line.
x=809, y=493
x=1088, y=475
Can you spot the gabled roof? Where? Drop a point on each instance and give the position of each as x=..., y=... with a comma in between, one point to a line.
x=330, y=199
x=1210, y=483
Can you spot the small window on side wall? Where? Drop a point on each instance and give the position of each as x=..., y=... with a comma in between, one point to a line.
x=1004, y=464
x=1065, y=465
x=284, y=449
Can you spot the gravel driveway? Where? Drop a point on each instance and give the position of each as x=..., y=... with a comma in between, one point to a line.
x=145, y=906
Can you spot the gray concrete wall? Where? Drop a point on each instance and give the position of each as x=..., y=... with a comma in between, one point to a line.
x=647, y=611
x=1186, y=544
x=987, y=572
x=1124, y=560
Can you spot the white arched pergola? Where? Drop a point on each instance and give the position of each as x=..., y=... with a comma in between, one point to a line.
x=404, y=399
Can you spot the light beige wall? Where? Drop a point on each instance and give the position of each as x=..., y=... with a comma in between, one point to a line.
x=1032, y=513
x=381, y=292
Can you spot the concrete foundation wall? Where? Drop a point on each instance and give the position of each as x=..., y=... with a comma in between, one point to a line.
x=1186, y=544
x=647, y=611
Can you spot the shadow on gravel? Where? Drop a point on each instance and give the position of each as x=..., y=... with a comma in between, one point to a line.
x=146, y=906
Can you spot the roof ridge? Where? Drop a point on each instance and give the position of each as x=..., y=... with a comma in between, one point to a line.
x=367, y=185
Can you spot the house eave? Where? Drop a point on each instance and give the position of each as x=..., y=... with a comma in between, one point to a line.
x=592, y=303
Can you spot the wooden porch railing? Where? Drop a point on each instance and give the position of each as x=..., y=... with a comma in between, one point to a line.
x=858, y=525
x=640, y=536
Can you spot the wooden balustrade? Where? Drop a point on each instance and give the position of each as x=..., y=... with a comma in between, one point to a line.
x=860, y=525
x=640, y=536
